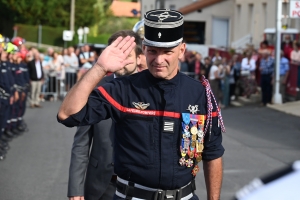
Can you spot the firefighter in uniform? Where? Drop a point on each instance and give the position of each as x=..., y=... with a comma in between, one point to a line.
x=6, y=101
x=166, y=122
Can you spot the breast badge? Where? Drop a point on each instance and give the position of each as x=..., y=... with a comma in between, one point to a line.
x=141, y=105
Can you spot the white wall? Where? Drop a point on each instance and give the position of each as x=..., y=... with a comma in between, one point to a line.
x=245, y=16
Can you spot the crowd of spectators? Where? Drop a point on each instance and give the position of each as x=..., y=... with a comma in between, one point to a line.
x=240, y=75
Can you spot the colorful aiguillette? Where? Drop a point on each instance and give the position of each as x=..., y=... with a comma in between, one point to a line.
x=195, y=170
x=189, y=162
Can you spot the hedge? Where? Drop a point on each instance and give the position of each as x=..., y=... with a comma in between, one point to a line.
x=53, y=35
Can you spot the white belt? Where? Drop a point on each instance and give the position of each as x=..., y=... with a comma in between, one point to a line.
x=145, y=188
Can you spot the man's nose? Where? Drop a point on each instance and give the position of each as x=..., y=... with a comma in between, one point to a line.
x=159, y=59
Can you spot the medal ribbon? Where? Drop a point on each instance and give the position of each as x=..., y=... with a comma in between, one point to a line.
x=186, y=118
x=194, y=119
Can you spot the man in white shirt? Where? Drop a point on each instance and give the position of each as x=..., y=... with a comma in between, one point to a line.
x=248, y=64
x=71, y=67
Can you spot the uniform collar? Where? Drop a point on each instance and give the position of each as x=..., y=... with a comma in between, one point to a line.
x=162, y=82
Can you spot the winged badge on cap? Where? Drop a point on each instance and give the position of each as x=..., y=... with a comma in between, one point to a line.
x=141, y=105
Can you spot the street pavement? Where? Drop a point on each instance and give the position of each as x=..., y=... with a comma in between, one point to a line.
x=258, y=141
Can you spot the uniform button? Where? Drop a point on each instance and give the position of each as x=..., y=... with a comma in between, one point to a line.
x=112, y=164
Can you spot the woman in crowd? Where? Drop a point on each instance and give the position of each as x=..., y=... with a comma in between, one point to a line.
x=226, y=82
x=214, y=79
x=56, y=74
x=248, y=68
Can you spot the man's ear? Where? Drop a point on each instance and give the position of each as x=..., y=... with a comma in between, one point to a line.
x=182, y=48
x=138, y=60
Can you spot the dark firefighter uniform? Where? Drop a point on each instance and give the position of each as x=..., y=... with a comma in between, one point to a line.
x=163, y=128
x=7, y=90
x=148, y=141
x=4, y=92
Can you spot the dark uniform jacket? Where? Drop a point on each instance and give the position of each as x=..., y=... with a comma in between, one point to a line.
x=146, y=146
x=98, y=166
x=6, y=82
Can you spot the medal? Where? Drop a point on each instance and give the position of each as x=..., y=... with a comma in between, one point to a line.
x=199, y=158
x=183, y=136
x=193, y=144
x=195, y=170
x=191, y=154
x=194, y=121
x=199, y=147
x=194, y=137
x=186, y=143
x=189, y=162
x=187, y=134
x=200, y=133
x=183, y=151
x=194, y=130
x=182, y=161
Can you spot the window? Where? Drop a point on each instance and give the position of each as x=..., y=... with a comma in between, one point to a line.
x=238, y=15
x=250, y=18
x=265, y=14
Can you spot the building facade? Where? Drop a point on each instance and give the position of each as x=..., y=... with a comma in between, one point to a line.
x=226, y=23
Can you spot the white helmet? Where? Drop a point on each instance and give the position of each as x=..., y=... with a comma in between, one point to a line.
x=139, y=28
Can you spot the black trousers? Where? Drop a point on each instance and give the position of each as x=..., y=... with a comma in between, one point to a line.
x=266, y=88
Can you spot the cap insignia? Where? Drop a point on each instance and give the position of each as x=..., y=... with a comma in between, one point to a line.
x=163, y=16
x=159, y=35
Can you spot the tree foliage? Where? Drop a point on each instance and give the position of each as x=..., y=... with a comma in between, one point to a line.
x=52, y=13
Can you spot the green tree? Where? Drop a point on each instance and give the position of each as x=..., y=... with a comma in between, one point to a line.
x=52, y=13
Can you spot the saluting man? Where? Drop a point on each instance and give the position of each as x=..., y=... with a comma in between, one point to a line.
x=165, y=122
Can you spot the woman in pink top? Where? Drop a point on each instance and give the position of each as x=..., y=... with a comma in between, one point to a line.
x=295, y=54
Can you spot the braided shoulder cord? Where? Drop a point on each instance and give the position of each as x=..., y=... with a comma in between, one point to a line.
x=209, y=94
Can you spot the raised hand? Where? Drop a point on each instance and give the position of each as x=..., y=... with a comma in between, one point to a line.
x=114, y=57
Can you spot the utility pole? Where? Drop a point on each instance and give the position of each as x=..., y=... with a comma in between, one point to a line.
x=72, y=16
x=277, y=98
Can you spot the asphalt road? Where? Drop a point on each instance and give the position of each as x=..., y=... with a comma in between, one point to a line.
x=257, y=141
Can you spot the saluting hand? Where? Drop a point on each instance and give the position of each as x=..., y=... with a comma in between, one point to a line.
x=114, y=57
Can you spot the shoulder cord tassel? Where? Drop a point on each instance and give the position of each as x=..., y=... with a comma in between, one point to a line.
x=209, y=94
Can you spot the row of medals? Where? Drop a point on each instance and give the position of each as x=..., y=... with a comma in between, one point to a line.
x=192, y=145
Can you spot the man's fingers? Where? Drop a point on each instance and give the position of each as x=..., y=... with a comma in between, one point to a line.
x=117, y=41
x=130, y=46
x=123, y=42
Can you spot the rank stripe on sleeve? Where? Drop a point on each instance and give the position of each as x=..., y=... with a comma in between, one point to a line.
x=158, y=113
